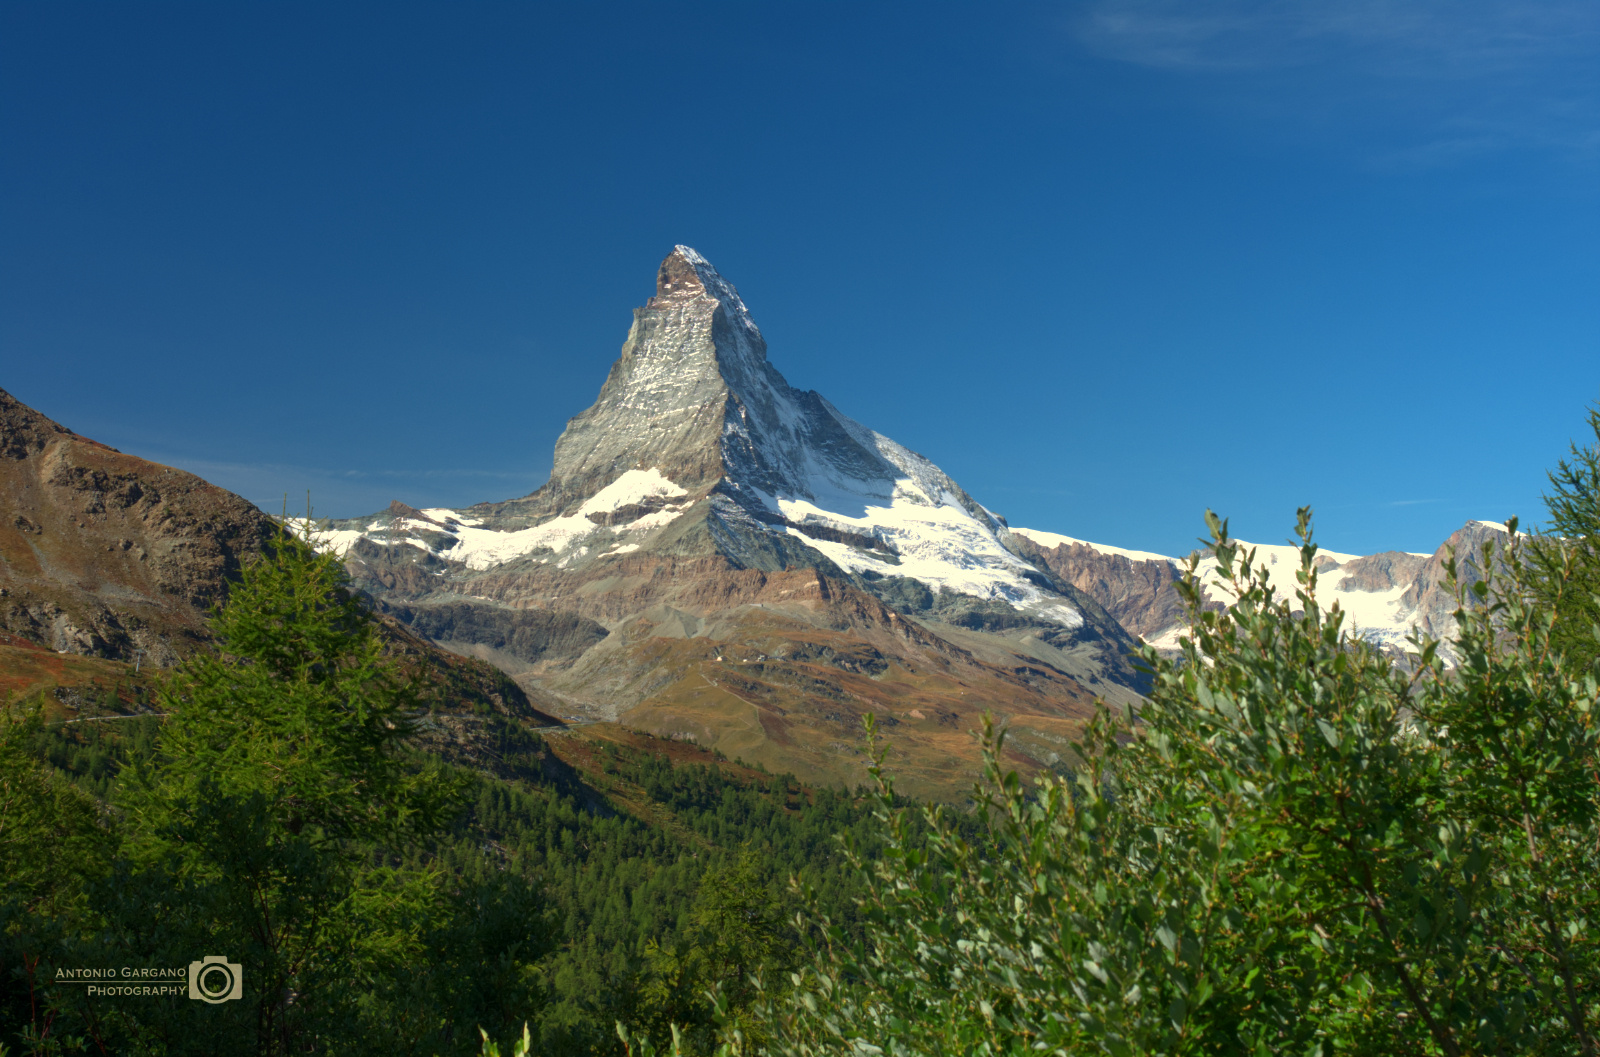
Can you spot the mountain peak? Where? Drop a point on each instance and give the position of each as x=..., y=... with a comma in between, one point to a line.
x=680, y=276
x=702, y=500
x=784, y=477
x=685, y=276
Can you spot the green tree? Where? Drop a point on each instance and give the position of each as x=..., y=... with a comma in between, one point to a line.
x=736, y=935
x=1563, y=561
x=266, y=827
x=54, y=845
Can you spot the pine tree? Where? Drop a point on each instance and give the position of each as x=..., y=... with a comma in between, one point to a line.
x=53, y=848
x=1565, y=558
x=280, y=784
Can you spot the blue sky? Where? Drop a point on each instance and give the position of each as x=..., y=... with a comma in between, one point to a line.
x=1108, y=263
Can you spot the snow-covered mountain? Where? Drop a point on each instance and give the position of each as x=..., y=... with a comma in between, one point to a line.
x=721, y=556
x=694, y=413
x=1385, y=597
x=701, y=496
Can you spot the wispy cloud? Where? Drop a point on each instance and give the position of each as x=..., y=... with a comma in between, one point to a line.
x=354, y=491
x=1419, y=39
x=1472, y=75
x=205, y=466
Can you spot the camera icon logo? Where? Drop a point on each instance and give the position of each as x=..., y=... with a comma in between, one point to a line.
x=215, y=979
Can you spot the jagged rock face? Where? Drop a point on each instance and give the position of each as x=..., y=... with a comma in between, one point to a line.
x=1382, y=572
x=1138, y=593
x=1428, y=595
x=694, y=396
x=665, y=402
x=697, y=446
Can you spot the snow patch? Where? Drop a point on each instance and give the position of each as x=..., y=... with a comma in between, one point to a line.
x=659, y=519
x=440, y=513
x=335, y=541
x=632, y=488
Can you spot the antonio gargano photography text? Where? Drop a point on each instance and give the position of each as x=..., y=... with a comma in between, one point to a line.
x=212, y=979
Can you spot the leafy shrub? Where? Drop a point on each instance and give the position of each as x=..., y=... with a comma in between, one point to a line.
x=1295, y=846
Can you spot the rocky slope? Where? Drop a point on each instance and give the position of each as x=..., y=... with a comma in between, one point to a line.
x=106, y=555
x=103, y=553
x=720, y=555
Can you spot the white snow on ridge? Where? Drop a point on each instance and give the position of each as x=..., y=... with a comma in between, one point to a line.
x=336, y=540
x=481, y=548
x=633, y=487
x=440, y=513
x=1055, y=539
x=485, y=548
x=1377, y=616
x=938, y=540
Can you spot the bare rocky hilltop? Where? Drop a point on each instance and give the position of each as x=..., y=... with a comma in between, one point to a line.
x=107, y=555
x=103, y=553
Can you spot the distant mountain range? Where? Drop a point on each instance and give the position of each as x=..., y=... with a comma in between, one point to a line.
x=1385, y=597
x=717, y=556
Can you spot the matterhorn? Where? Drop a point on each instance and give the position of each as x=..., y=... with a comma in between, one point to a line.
x=721, y=557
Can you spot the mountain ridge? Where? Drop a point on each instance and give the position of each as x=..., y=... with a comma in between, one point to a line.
x=721, y=556
x=716, y=555
x=1386, y=597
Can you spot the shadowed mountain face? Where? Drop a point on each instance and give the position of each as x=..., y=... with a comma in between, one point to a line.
x=107, y=555
x=718, y=554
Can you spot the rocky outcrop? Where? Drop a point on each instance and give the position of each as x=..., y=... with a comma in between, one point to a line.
x=1382, y=572
x=529, y=637
x=1430, y=597
x=1137, y=593
x=106, y=554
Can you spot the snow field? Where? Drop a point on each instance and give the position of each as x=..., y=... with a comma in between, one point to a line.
x=481, y=548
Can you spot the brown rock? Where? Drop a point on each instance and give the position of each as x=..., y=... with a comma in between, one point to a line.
x=1138, y=594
